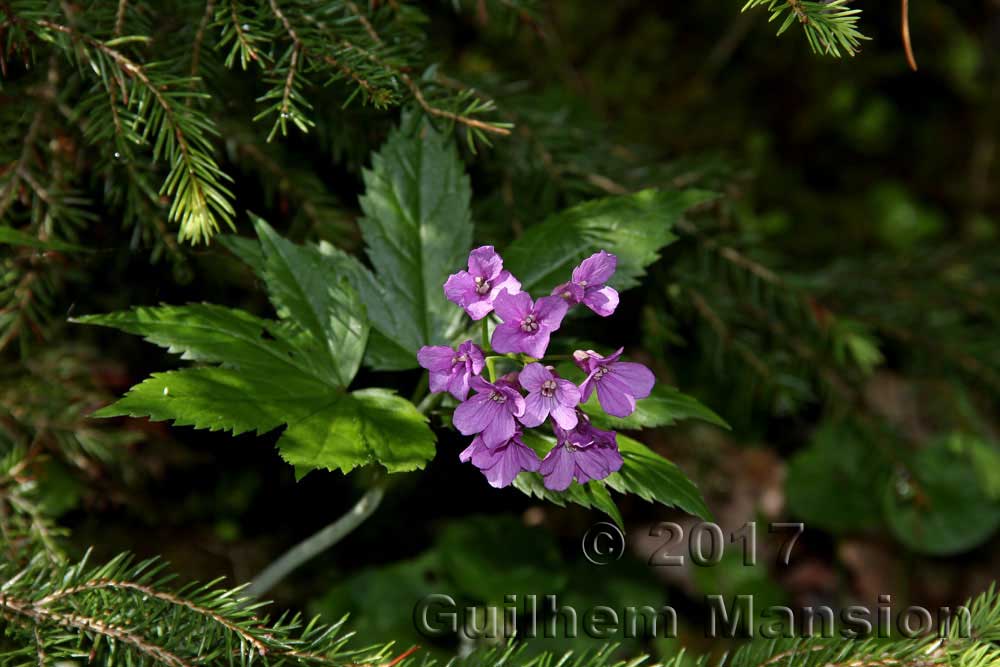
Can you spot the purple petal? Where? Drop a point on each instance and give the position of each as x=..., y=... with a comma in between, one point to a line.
x=557, y=469
x=587, y=387
x=536, y=409
x=602, y=301
x=470, y=451
x=508, y=337
x=458, y=386
x=614, y=399
x=485, y=262
x=459, y=286
x=567, y=393
x=613, y=458
x=475, y=355
x=515, y=402
x=439, y=381
x=484, y=457
x=564, y=416
x=585, y=360
x=507, y=467
x=571, y=292
x=478, y=308
x=549, y=311
x=533, y=375
x=596, y=269
x=512, y=307
x=480, y=384
x=526, y=455
x=476, y=414
x=500, y=428
x=507, y=282
x=590, y=464
x=535, y=343
x=638, y=378
x=436, y=357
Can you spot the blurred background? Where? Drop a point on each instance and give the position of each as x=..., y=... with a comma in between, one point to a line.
x=837, y=305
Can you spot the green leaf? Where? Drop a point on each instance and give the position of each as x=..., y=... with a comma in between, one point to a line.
x=210, y=333
x=663, y=407
x=938, y=507
x=272, y=373
x=593, y=495
x=654, y=478
x=417, y=230
x=307, y=287
x=11, y=236
x=219, y=399
x=350, y=430
x=841, y=462
x=634, y=227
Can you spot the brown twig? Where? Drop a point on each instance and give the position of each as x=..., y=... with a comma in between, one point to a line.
x=12, y=607
x=199, y=36
x=98, y=584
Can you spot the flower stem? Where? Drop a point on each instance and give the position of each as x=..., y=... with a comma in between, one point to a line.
x=486, y=334
x=491, y=369
x=317, y=543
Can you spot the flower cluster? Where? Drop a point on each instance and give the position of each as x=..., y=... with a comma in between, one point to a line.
x=501, y=408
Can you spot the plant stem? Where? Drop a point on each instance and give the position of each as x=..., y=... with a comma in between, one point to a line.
x=486, y=334
x=490, y=368
x=317, y=543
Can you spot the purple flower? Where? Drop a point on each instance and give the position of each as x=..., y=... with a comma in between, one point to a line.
x=475, y=290
x=618, y=383
x=450, y=369
x=490, y=412
x=501, y=464
x=548, y=395
x=527, y=324
x=583, y=454
x=587, y=286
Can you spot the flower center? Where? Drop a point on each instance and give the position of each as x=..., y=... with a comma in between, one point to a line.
x=460, y=359
x=570, y=447
x=549, y=388
x=482, y=285
x=498, y=397
x=601, y=372
x=582, y=283
x=529, y=324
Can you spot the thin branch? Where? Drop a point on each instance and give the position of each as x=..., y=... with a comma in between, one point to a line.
x=12, y=607
x=317, y=543
x=199, y=36
x=120, y=17
x=99, y=584
x=294, y=60
x=450, y=115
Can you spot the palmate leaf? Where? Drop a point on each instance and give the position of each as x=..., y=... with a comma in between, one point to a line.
x=644, y=473
x=417, y=230
x=272, y=373
x=634, y=227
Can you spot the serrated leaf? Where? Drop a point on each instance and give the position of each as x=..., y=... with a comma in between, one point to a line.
x=307, y=288
x=351, y=430
x=417, y=230
x=210, y=333
x=634, y=227
x=652, y=477
x=217, y=399
x=663, y=407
